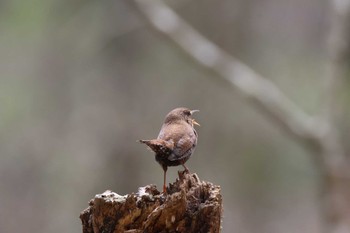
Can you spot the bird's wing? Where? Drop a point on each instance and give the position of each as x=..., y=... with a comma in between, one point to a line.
x=183, y=148
x=174, y=157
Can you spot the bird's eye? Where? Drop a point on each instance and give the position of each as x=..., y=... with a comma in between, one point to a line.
x=187, y=113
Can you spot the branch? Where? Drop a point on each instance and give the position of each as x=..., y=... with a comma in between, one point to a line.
x=312, y=131
x=247, y=81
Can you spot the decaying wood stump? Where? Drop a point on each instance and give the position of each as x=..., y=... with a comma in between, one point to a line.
x=190, y=206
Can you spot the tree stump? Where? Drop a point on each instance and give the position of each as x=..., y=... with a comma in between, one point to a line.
x=190, y=205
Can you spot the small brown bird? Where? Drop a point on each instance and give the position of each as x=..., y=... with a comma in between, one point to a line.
x=176, y=141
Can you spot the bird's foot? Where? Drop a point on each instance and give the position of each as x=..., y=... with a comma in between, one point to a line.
x=186, y=169
x=164, y=190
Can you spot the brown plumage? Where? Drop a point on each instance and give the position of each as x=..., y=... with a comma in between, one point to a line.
x=176, y=141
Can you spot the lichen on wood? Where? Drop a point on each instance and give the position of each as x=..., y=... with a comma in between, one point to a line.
x=190, y=205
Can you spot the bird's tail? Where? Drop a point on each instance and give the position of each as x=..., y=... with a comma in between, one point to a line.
x=159, y=145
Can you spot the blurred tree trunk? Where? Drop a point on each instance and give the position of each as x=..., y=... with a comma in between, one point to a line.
x=337, y=183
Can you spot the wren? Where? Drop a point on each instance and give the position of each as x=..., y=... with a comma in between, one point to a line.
x=176, y=141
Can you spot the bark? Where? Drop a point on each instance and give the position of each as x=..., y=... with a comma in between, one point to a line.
x=191, y=205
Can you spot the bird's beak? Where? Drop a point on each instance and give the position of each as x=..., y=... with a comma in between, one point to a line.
x=193, y=111
x=195, y=122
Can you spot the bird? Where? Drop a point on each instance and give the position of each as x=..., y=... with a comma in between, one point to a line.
x=176, y=141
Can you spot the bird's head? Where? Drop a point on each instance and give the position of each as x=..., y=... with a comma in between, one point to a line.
x=181, y=114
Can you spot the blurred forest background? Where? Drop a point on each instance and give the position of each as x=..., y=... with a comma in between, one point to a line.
x=81, y=81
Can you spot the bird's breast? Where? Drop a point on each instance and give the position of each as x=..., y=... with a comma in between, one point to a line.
x=182, y=135
x=176, y=132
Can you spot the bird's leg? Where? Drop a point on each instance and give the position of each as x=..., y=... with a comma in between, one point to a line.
x=165, y=168
x=186, y=169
